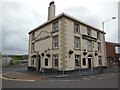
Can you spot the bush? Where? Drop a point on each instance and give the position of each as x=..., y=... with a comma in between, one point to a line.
x=15, y=62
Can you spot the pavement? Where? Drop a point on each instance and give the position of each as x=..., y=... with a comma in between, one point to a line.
x=22, y=76
x=31, y=75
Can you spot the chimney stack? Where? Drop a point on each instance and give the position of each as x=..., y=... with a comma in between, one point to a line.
x=51, y=11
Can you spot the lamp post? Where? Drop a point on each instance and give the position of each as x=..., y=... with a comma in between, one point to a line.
x=103, y=31
x=107, y=21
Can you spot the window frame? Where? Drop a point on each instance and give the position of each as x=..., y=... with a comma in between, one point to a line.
x=89, y=45
x=99, y=47
x=46, y=61
x=55, y=41
x=55, y=26
x=55, y=57
x=32, y=47
x=76, y=28
x=89, y=32
x=77, y=60
x=76, y=42
x=99, y=60
x=33, y=35
x=98, y=35
x=84, y=61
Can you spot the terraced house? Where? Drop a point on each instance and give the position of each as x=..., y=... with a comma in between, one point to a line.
x=66, y=43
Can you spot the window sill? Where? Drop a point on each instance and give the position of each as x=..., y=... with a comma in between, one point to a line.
x=55, y=31
x=90, y=50
x=77, y=49
x=77, y=33
x=55, y=48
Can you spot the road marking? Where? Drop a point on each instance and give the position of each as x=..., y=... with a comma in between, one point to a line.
x=107, y=77
x=1, y=76
x=63, y=80
x=87, y=78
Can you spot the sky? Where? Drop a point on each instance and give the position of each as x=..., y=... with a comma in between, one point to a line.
x=18, y=17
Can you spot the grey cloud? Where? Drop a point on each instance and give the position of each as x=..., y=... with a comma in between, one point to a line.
x=95, y=20
x=84, y=15
x=17, y=20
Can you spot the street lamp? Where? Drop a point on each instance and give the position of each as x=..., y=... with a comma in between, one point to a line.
x=107, y=21
x=103, y=29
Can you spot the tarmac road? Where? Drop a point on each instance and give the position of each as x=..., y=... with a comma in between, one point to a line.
x=105, y=80
x=94, y=81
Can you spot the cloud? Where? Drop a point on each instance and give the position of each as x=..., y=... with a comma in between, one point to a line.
x=17, y=21
x=84, y=15
x=19, y=17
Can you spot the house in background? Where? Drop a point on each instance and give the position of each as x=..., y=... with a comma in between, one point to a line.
x=113, y=53
x=65, y=43
x=6, y=59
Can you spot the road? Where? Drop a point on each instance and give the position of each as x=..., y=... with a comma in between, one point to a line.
x=105, y=80
x=95, y=81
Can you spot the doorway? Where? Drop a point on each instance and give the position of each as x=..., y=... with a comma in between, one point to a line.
x=89, y=62
x=39, y=64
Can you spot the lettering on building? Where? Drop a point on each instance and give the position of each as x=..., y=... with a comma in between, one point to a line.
x=42, y=38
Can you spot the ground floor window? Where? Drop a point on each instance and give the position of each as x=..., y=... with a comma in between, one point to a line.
x=33, y=61
x=99, y=60
x=84, y=61
x=46, y=61
x=77, y=60
x=55, y=60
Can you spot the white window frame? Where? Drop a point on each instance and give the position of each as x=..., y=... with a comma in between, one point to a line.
x=76, y=42
x=55, y=41
x=47, y=62
x=33, y=35
x=76, y=28
x=56, y=26
x=89, y=33
x=99, y=60
x=32, y=47
x=98, y=35
x=99, y=47
x=89, y=45
x=83, y=59
x=55, y=57
x=78, y=59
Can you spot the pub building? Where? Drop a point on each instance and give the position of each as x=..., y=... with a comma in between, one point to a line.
x=65, y=43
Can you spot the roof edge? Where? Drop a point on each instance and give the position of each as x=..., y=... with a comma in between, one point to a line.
x=68, y=16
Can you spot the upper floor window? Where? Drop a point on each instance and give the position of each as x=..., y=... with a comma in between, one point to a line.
x=77, y=60
x=55, y=26
x=117, y=49
x=77, y=42
x=55, y=60
x=76, y=28
x=32, y=46
x=55, y=41
x=99, y=47
x=33, y=35
x=89, y=45
x=98, y=35
x=88, y=31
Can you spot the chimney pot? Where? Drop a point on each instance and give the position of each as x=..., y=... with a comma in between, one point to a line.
x=51, y=11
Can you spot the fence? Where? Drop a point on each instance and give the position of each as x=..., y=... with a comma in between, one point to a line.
x=71, y=73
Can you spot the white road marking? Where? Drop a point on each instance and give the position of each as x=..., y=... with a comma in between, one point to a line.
x=63, y=80
x=87, y=78
x=103, y=76
x=1, y=76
